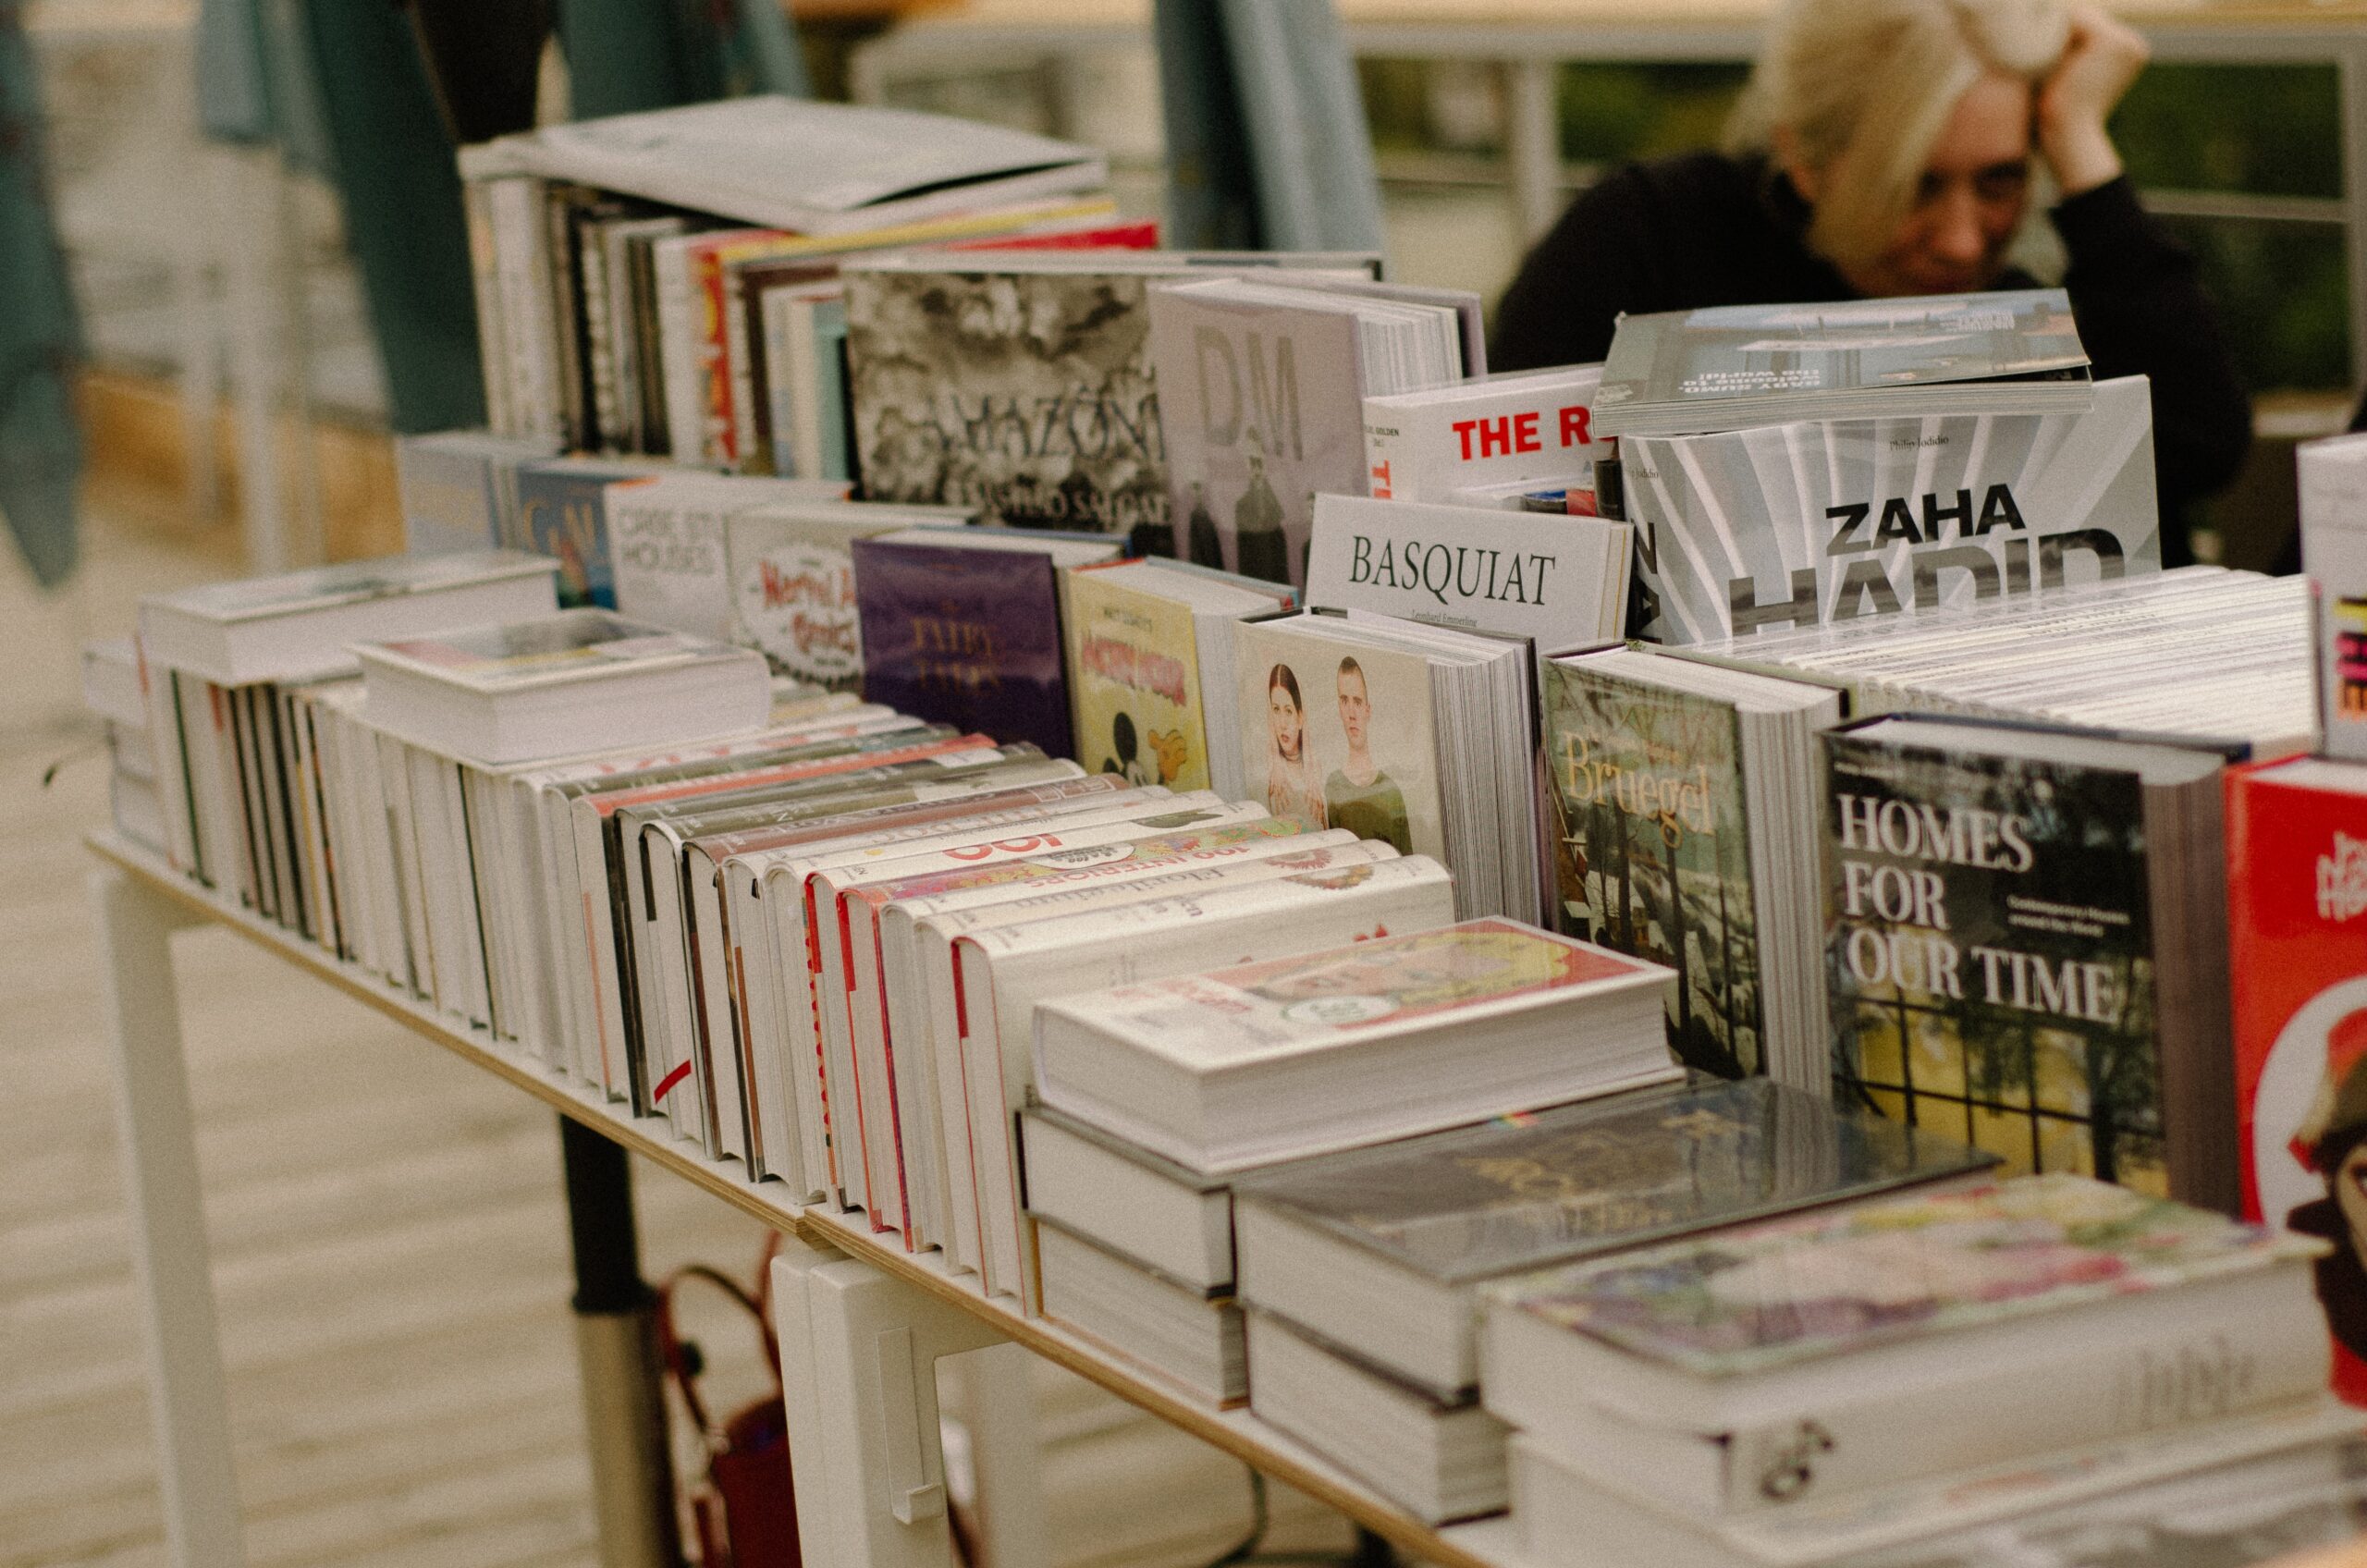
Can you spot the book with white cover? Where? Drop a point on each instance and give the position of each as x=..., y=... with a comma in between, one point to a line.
x=813, y=167
x=2201, y=1497
x=559, y=684
x=1097, y=1185
x=726, y=993
x=667, y=547
x=839, y=913
x=1004, y=974
x=790, y=580
x=680, y=966
x=1726, y=367
x=1806, y=1355
x=1346, y=1045
x=2334, y=552
x=1561, y=582
x=1523, y=427
x=296, y=626
x=1827, y=522
x=1142, y=1316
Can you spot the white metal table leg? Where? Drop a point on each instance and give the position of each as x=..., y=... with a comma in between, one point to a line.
x=863, y=1418
x=169, y=1264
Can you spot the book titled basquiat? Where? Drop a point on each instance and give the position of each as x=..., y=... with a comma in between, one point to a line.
x=964, y=637
x=1821, y=522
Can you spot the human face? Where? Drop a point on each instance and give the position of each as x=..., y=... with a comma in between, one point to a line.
x=1967, y=204
x=1355, y=711
x=2350, y=1197
x=1282, y=721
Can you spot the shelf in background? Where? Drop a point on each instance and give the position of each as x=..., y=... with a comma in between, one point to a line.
x=1486, y=1543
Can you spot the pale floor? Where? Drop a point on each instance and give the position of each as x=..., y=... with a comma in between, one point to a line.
x=389, y=1245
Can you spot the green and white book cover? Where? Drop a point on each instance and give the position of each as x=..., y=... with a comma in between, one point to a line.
x=1652, y=853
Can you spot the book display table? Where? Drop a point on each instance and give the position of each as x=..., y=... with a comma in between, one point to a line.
x=861, y=1322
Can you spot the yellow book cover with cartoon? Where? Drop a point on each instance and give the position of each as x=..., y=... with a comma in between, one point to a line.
x=1134, y=682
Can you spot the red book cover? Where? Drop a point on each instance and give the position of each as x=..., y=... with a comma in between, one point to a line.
x=2297, y=887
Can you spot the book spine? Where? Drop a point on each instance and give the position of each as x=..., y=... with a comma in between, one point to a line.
x=485, y=281
x=160, y=693
x=738, y=374
x=677, y=353
x=717, y=442
x=1390, y=460
x=527, y=312
x=599, y=349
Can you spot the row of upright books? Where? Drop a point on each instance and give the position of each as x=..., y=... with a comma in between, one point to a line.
x=1242, y=1102
x=1913, y=842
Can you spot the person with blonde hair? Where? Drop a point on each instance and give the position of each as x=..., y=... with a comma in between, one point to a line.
x=1887, y=148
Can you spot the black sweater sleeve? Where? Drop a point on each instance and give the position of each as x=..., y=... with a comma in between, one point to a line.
x=1561, y=307
x=2143, y=312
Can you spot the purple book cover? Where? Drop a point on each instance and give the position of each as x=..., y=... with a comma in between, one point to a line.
x=969, y=638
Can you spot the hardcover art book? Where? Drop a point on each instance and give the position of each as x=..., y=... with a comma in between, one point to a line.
x=1683, y=803
x=1676, y=373
x=1822, y=523
x=1018, y=387
x=2296, y=881
x=1134, y=681
x=1379, y=1249
x=790, y=570
x=2025, y=947
x=2333, y=475
x=962, y=627
x=563, y=513
x=1264, y=407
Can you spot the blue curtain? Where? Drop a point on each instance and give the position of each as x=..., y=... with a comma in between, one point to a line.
x=1267, y=143
x=341, y=88
x=41, y=445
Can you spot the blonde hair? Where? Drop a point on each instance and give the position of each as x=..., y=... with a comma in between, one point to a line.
x=1864, y=88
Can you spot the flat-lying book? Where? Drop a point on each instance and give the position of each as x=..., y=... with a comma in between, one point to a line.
x=1003, y=977
x=1383, y=1250
x=562, y=684
x=2212, y=1496
x=1728, y=366
x=1187, y=1336
x=1350, y=1046
x=297, y=625
x=817, y=169
x=1799, y=1358
x=1436, y=1459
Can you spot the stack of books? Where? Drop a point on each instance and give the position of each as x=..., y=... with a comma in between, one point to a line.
x=1155, y=1095
x=1808, y=1389
x=667, y=283
x=2201, y=653
x=1361, y=1272
x=235, y=674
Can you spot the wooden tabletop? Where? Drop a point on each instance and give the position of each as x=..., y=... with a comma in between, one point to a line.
x=2296, y=15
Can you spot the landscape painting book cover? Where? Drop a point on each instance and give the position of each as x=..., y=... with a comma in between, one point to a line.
x=1989, y=949
x=1652, y=855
